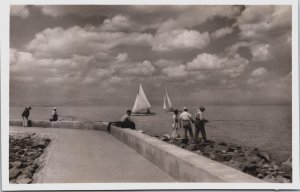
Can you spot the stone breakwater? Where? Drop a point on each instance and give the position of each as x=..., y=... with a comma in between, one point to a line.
x=25, y=151
x=246, y=159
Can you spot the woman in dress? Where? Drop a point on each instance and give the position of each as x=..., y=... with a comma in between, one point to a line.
x=175, y=126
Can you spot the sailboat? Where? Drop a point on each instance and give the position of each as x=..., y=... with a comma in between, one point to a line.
x=141, y=105
x=168, y=106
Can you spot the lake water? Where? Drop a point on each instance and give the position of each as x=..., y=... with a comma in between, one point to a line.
x=267, y=127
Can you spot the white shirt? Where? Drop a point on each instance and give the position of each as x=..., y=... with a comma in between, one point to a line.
x=199, y=115
x=185, y=116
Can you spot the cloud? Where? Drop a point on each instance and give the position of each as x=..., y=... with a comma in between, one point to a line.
x=261, y=21
x=206, y=61
x=260, y=52
x=59, y=42
x=144, y=68
x=231, y=66
x=258, y=77
x=222, y=32
x=19, y=11
x=162, y=63
x=180, y=39
x=175, y=72
x=258, y=72
x=96, y=75
x=116, y=23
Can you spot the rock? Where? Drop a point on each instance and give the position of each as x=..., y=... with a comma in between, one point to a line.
x=14, y=173
x=253, y=159
x=252, y=152
x=198, y=152
x=266, y=165
x=269, y=178
x=241, y=159
x=23, y=179
x=265, y=156
x=222, y=143
x=249, y=168
x=220, y=148
x=28, y=172
x=192, y=147
x=222, y=157
x=167, y=136
x=17, y=164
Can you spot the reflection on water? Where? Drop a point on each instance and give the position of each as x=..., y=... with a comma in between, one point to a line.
x=267, y=127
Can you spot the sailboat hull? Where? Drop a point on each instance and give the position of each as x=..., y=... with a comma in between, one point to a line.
x=143, y=114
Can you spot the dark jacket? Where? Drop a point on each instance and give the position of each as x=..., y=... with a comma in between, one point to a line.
x=26, y=113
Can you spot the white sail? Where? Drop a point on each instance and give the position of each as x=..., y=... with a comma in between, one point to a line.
x=167, y=101
x=141, y=101
x=165, y=105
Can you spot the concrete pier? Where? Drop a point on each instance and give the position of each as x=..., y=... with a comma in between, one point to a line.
x=89, y=156
x=177, y=163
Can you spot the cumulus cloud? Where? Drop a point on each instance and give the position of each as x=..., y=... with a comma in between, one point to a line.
x=222, y=32
x=258, y=21
x=144, y=68
x=19, y=11
x=258, y=72
x=260, y=52
x=116, y=23
x=175, y=72
x=59, y=42
x=180, y=39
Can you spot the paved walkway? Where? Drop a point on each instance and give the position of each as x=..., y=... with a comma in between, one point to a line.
x=89, y=156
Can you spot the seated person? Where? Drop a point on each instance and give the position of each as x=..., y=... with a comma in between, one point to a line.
x=126, y=122
x=54, y=115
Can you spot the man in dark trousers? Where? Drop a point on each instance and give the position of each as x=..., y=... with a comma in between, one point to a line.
x=25, y=116
x=200, y=124
x=126, y=122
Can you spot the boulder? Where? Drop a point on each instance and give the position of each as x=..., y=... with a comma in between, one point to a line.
x=198, y=152
x=265, y=156
x=14, y=173
x=249, y=168
x=17, y=164
x=269, y=178
x=222, y=157
x=192, y=147
x=23, y=179
x=220, y=148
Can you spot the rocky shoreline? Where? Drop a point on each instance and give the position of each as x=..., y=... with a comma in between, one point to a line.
x=246, y=159
x=25, y=151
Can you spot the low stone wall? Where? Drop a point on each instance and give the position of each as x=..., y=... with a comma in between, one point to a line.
x=183, y=165
x=61, y=124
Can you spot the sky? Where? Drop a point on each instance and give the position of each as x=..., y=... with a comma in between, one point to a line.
x=204, y=54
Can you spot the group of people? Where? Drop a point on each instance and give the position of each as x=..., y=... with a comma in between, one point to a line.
x=26, y=113
x=185, y=121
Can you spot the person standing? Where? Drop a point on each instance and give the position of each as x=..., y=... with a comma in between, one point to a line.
x=25, y=116
x=175, y=125
x=54, y=115
x=185, y=120
x=200, y=124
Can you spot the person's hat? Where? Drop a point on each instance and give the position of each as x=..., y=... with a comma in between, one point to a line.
x=29, y=107
x=54, y=108
x=202, y=108
x=184, y=108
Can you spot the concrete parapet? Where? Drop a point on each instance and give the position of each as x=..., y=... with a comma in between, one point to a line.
x=183, y=165
x=62, y=124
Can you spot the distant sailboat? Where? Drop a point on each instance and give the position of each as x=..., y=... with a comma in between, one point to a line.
x=141, y=105
x=168, y=106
